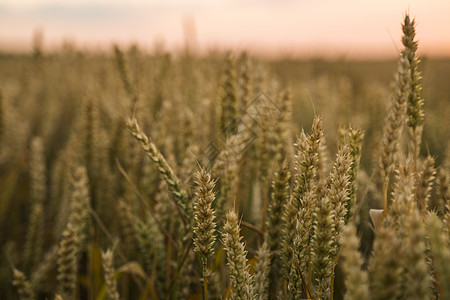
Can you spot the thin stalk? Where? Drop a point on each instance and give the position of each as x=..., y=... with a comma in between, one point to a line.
x=332, y=282
x=205, y=281
x=252, y=227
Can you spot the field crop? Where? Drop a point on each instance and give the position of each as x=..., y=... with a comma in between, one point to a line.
x=129, y=175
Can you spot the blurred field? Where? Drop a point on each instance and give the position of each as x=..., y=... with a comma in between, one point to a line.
x=359, y=91
x=77, y=105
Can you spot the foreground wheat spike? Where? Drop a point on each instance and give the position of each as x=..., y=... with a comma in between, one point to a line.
x=279, y=197
x=204, y=214
x=385, y=270
x=172, y=180
x=356, y=279
x=440, y=253
x=425, y=180
x=415, y=101
x=318, y=138
x=23, y=286
x=67, y=261
x=204, y=220
x=447, y=221
x=339, y=192
x=306, y=165
x=274, y=232
x=353, y=138
x=241, y=281
x=322, y=247
x=403, y=203
x=417, y=276
x=290, y=213
x=301, y=263
x=442, y=192
x=299, y=211
x=393, y=125
x=262, y=270
x=109, y=272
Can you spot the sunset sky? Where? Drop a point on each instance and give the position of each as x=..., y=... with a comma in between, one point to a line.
x=348, y=28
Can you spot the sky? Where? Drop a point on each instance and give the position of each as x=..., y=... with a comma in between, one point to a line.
x=334, y=28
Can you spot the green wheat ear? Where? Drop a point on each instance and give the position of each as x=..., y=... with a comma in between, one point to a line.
x=67, y=261
x=204, y=220
x=175, y=185
x=204, y=214
x=415, y=104
x=109, y=272
x=385, y=270
x=424, y=185
x=23, y=286
x=440, y=254
x=390, y=143
x=241, y=281
x=262, y=272
x=353, y=138
x=275, y=224
x=322, y=247
x=417, y=275
x=356, y=279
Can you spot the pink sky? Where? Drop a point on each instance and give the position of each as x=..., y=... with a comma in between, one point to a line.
x=350, y=28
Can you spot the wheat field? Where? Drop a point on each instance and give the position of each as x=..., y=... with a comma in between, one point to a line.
x=134, y=175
